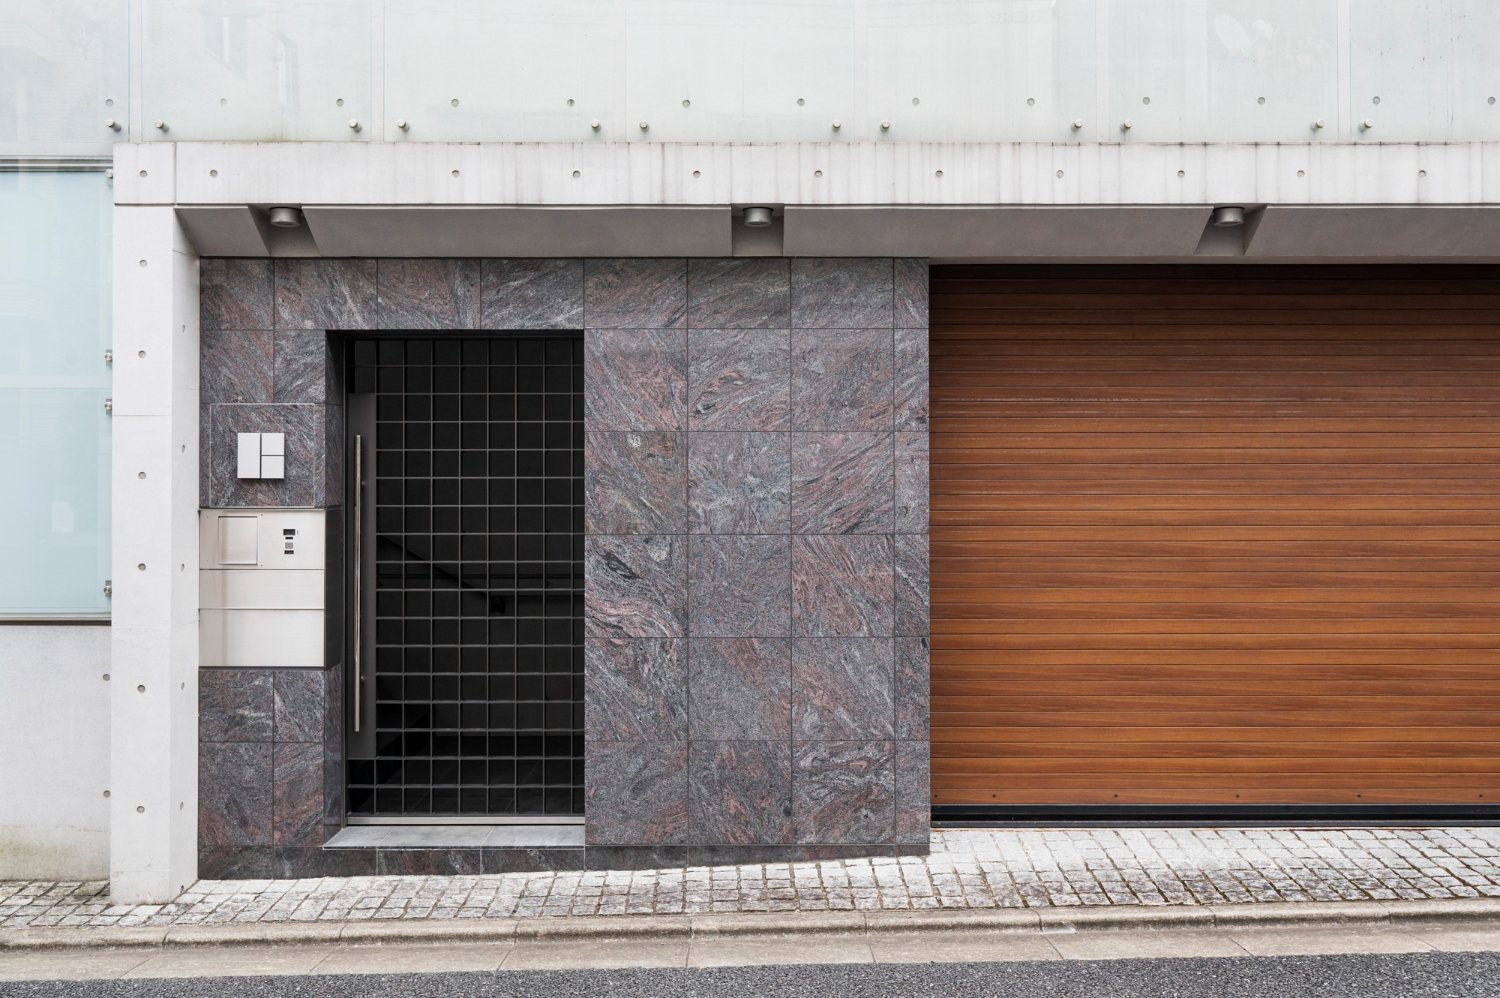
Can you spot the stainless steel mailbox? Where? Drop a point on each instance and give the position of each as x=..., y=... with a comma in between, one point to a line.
x=261, y=588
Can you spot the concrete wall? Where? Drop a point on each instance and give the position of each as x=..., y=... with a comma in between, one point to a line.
x=54, y=737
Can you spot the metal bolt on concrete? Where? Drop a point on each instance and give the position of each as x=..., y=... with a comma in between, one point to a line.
x=967, y=869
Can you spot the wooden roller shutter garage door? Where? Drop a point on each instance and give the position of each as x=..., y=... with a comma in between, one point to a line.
x=1215, y=536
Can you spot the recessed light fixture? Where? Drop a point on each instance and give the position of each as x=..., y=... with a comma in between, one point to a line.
x=1228, y=217
x=286, y=218
x=757, y=217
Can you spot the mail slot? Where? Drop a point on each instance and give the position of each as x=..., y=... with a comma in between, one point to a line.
x=261, y=592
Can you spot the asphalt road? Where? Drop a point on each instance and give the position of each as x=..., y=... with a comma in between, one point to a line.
x=1420, y=975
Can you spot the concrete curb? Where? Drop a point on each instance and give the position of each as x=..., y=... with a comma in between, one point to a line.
x=499, y=930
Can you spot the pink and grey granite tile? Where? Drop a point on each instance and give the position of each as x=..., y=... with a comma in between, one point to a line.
x=325, y=294
x=235, y=705
x=842, y=689
x=911, y=379
x=205, y=454
x=635, y=379
x=912, y=595
x=740, y=688
x=334, y=484
x=297, y=793
x=843, y=483
x=427, y=294
x=635, y=294
x=429, y=862
x=636, y=793
x=597, y=857
x=739, y=483
x=301, y=707
x=235, y=366
x=739, y=792
x=842, y=586
x=306, y=456
x=299, y=862
x=913, y=683
x=739, y=379
x=236, y=862
x=532, y=294
x=844, y=791
x=912, y=487
x=911, y=292
x=842, y=379
x=913, y=792
x=635, y=689
x=304, y=367
x=235, y=294
x=841, y=293
x=739, y=294
x=635, y=482
x=635, y=586
x=234, y=794
x=740, y=585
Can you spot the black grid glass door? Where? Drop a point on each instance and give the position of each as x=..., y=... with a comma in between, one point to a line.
x=471, y=678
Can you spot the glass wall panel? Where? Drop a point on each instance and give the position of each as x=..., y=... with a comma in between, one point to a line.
x=294, y=70
x=54, y=434
x=64, y=70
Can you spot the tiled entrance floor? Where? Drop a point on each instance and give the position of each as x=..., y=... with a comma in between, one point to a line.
x=968, y=868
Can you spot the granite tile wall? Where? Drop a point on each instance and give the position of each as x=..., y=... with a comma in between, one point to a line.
x=756, y=559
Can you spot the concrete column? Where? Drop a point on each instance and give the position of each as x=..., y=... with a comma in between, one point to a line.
x=154, y=646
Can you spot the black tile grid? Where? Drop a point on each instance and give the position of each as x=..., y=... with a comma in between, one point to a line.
x=479, y=576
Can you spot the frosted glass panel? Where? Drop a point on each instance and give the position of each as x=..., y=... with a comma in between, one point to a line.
x=63, y=70
x=54, y=433
x=256, y=69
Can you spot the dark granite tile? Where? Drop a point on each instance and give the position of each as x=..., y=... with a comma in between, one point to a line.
x=325, y=294
x=304, y=366
x=740, y=688
x=635, y=586
x=911, y=292
x=333, y=482
x=843, y=483
x=300, y=705
x=635, y=294
x=736, y=855
x=234, y=794
x=236, y=862
x=635, y=793
x=235, y=294
x=428, y=862
x=843, y=586
x=842, y=379
x=739, y=379
x=306, y=433
x=739, y=483
x=634, y=857
x=296, y=863
x=842, y=688
x=333, y=750
x=739, y=294
x=913, y=792
x=235, y=366
x=532, y=860
x=635, y=379
x=913, y=701
x=635, y=689
x=635, y=482
x=297, y=794
x=841, y=293
x=912, y=848
x=740, y=586
x=234, y=705
x=844, y=792
x=427, y=294
x=911, y=379
x=911, y=483
x=205, y=453
x=740, y=792
x=532, y=294
x=912, y=598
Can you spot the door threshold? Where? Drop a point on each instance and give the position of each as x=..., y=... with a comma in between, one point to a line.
x=454, y=836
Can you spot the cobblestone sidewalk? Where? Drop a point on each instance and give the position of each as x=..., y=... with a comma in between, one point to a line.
x=980, y=868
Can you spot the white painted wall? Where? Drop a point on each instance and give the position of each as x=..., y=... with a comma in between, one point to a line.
x=54, y=738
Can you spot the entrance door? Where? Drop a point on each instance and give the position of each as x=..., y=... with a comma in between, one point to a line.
x=467, y=695
x=1208, y=537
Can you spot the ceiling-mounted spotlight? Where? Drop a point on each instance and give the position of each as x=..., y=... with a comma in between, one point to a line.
x=286, y=218
x=757, y=218
x=1227, y=217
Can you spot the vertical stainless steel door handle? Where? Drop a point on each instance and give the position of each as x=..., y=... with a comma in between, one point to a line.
x=359, y=592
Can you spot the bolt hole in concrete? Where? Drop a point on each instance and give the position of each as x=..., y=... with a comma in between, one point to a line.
x=143, y=173
x=140, y=689
x=140, y=474
x=141, y=567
